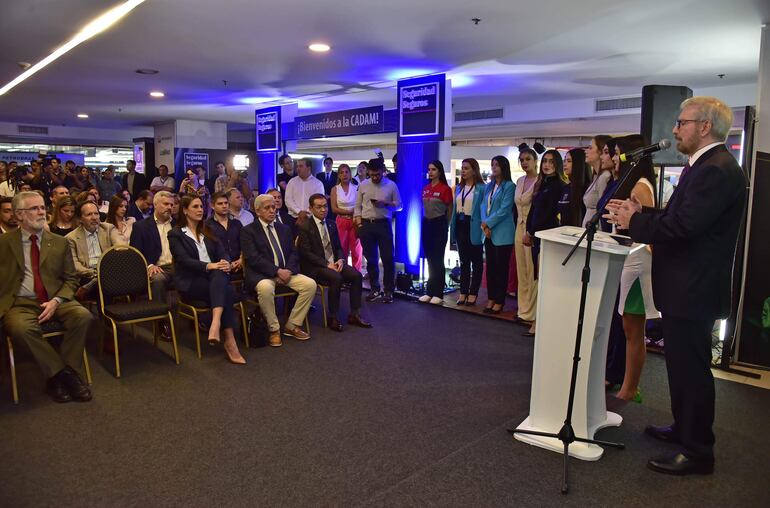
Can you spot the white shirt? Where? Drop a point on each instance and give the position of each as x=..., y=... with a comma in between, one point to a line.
x=466, y=207
x=694, y=157
x=203, y=253
x=244, y=216
x=347, y=199
x=165, y=252
x=94, y=249
x=275, y=235
x=298, y=192
x=324, y=230
x=167, y=182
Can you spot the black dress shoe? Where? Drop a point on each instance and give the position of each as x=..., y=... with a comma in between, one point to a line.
x=334, y=324
x=355, y=319
x=681, y=465
x=667, y=434
x=165, y=331
x=77, y=389
x=55, y=389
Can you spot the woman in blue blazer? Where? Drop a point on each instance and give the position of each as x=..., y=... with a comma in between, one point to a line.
x=498, y=228
x=466, y=230
x=199, y=277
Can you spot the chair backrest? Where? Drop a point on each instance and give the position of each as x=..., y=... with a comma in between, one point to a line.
x=122, y=271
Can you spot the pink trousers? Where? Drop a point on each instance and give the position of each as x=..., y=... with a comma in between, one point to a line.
x=349, y=240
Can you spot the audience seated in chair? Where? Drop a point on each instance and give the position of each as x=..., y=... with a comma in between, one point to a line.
x=321, y=259
x=141, y=208
x=201, y=272
x=227, y=230
x=37, y=284
x=87, y=242
x=270, y=259
x=150, y=237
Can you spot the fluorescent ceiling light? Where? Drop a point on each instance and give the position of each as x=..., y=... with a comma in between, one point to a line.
x=93, y=28
x=319, y=47
x=158, y=94
x=82, y=115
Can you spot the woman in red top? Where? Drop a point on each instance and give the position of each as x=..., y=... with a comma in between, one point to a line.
x=436, y=211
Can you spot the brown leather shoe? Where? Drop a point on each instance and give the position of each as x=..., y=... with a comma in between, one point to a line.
x=297, y=333
x=275, y=338
x=356, y=319
x=334, y=324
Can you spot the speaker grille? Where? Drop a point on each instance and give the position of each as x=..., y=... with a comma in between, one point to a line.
x=486, y=114
x=615, y=104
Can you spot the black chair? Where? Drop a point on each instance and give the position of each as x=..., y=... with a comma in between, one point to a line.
x=122, y=272
x=50, y=329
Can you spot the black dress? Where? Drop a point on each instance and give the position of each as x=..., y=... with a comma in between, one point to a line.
x=61, y=231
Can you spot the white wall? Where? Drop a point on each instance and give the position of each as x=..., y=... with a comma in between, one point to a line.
x=75, y=135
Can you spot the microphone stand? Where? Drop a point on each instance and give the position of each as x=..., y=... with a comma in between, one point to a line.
x=567, y=434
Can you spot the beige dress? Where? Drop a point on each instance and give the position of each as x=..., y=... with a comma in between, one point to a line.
x=525, y=269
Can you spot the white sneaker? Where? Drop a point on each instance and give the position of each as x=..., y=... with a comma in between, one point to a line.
x=424, y=299
x=437, y=301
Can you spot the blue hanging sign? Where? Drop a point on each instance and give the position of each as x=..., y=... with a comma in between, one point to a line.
x=349, y=122
x=195, y=159
x=421, y=109
x=268, y=129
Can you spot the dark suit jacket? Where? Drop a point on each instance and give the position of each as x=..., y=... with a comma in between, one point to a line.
x=135, y=212
x=285, y=217
x=311, y=247
x=258, y=255
x=145, y=238
x=328, y=182
x=693, y=239
x=140, y=183
x=187, y=263
x=56, y=267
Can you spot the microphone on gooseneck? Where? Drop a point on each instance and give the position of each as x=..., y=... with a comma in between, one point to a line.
x=637, y=154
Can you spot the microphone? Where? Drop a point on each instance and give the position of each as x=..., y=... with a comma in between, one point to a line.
x=637, y=154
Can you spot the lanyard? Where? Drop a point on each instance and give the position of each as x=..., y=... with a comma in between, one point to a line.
x=464, y=195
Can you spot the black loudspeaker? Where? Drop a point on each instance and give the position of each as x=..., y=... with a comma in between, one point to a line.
x=660, y=108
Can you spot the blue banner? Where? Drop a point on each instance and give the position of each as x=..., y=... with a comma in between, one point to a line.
x=268, y=129
x=195, y=159
x=340, y=123
x=421, y=108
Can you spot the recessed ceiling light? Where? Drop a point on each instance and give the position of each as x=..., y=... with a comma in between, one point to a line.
x=319, y=47
x=82, y=115
x=157, y=94
x=147, y=71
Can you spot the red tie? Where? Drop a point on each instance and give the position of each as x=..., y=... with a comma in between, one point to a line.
x=34, y=255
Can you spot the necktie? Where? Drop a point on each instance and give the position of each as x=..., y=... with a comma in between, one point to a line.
x=278, y=218
x=685, y=170
x=34, y=256
x=327, y=243
x=276, y=246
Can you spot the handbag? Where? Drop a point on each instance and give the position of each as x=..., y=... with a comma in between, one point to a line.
x=256, y=327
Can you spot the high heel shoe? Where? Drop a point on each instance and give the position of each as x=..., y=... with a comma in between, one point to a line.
x=462, y=301
x=214, y=341
x=469, y=302
x=234, y=357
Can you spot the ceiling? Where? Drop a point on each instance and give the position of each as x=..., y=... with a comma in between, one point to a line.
x=218, y=59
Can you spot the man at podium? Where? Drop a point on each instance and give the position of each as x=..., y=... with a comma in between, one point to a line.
x=693, y=244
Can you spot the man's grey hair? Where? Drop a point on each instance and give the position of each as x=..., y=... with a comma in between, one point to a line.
x=161, y=195
x=21, y=197
x=262, y=200
x=715, y=111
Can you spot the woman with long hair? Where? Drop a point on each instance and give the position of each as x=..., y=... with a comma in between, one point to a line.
x=601, y=175
x=526, y=292
x=544, y=213
x=436, y=210
x=63, y=219
x=193, y=186
x=466, y=230
x=361, y=172
x=571, y=206
x=343, y=201
x=636, y=300
x=116, y=215
x=201, y=269
x=498, y=228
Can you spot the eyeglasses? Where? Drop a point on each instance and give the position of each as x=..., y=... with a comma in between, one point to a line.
x=681, y=122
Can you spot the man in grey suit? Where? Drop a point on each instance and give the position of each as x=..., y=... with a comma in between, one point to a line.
x=87, y=243
x=37, y=284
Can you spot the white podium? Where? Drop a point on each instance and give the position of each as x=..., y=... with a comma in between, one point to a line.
x=558, y=301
